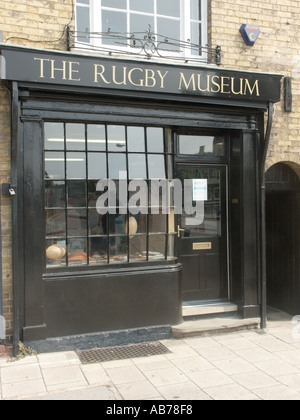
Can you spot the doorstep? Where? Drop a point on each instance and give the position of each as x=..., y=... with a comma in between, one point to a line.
x=191, y=309
x=214, y=325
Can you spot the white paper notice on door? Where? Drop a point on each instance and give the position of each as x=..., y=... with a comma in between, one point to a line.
x=200, y=190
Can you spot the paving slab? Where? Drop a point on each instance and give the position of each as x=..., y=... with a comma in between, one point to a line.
x=244, y=365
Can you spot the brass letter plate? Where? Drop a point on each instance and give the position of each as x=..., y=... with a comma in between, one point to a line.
x=202, y=246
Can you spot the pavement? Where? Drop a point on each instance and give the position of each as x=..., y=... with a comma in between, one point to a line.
x=249, y=365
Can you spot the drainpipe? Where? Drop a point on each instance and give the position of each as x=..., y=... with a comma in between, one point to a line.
x=263, y=210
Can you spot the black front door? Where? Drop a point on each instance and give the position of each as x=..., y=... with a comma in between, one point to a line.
x=203, y=235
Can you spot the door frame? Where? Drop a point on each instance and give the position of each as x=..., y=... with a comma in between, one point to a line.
x=225, y=243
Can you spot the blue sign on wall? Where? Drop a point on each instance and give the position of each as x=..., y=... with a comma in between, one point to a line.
x=250, y=33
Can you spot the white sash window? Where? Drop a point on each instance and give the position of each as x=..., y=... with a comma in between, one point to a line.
x=113, y=25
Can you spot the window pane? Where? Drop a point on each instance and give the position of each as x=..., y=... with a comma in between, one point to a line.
x=170, y=29
x=116, y=138
x=54, y=165
x=75, y=136
x=141, y=221
x=118, y=249
x=155, y=140
x=55, y=223
x=116, y=164
x=195, y=9
x=168, y=7
x=202, y=145
x=83, y=24
x=196, y=36
x=76, y=166
x=54, y=136
x=93, y=195
x=98, y=250
x=83, y=2
x=157, y=247
x=140, y=23
x=56, y=253
x=55, y=194
x=95, y=223
x=113, y=22
x=114, y=4
x=157, y=223
x=77, y=251
x=142, y=6
x=156, y=167
x=136, y=139
x=137, y=166
x=76, y=194
x=96, y=138
x=77, y=222
x=138, y=248
x=97, y=166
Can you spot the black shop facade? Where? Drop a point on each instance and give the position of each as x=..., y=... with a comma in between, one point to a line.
x=138, y=190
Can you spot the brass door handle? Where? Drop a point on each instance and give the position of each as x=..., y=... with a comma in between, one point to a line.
x=179, y=230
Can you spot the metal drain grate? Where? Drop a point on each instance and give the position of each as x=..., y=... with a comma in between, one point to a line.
x=123, y=352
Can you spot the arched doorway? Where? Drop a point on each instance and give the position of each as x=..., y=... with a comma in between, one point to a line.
x=283, y=238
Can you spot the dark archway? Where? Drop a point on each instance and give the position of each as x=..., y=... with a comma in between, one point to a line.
x=283, y=238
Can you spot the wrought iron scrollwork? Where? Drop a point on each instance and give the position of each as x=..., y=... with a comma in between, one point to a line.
x=145, y=44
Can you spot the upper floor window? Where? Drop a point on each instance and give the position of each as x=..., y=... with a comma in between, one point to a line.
x=176, y=27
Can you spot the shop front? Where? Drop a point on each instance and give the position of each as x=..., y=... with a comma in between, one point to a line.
x=137, y=188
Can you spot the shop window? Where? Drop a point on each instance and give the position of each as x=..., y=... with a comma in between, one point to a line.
x=77, y=157
x=180, y=20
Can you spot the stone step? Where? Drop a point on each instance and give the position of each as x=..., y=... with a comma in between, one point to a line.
x=194, y=309
x=214, y=325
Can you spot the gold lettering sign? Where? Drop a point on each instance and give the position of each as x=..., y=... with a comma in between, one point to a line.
x=201, y=246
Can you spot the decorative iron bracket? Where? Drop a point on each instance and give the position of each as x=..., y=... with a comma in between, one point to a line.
x=145, y=44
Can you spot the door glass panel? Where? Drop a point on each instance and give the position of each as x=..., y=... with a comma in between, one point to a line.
x=202, y=216
x=201, y=145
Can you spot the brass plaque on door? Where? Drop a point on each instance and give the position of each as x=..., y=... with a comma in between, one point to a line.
x=202, y=246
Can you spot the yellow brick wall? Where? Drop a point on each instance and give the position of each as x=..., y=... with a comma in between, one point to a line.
x=277, y=51
x=36, y=23
x=5, y=172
